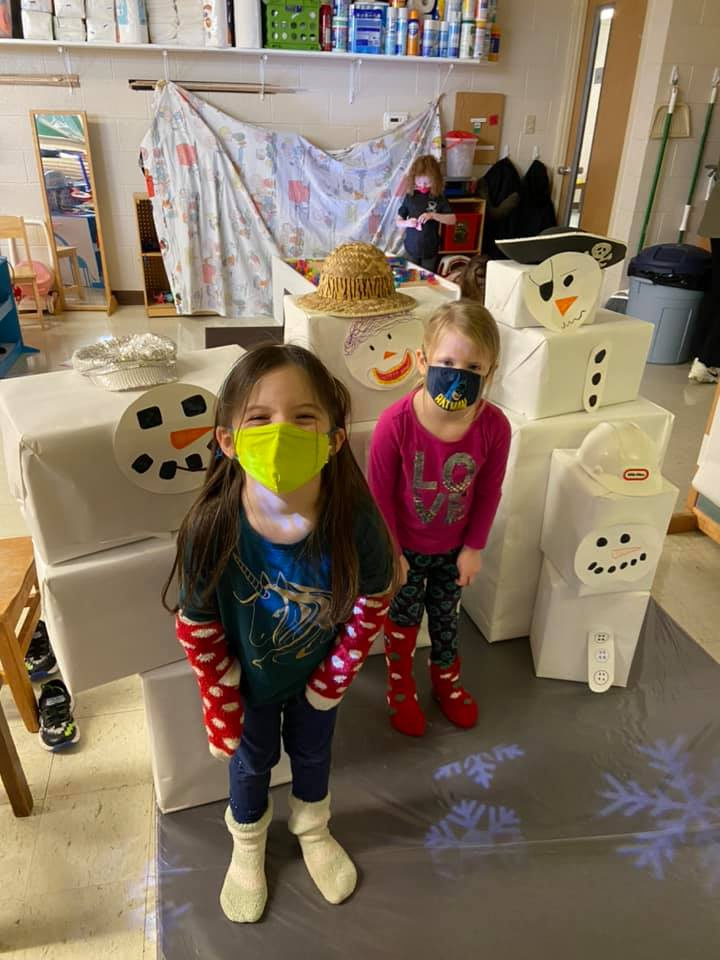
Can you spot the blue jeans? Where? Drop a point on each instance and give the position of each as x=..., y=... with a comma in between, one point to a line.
x=307, y=736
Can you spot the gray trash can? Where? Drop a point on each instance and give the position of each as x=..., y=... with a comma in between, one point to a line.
x=667, y=284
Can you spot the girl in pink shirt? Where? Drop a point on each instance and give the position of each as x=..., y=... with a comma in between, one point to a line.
x=437, y=463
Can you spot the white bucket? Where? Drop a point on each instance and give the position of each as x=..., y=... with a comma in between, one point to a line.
x=459, y=157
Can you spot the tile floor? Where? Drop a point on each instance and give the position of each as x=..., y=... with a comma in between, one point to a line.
x=78, y=877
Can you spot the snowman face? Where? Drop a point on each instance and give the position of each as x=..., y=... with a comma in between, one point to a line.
x=626, y=552
x=380, y=353
x=563, y=291
x=162, y=442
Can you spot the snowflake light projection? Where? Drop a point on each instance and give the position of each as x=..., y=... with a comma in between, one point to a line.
x=473, y=828
x=683, y=808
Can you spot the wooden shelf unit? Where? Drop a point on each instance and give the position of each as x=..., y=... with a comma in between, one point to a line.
x=154, y=276
x=462, y=205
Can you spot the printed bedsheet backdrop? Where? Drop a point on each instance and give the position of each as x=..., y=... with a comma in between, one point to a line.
x=228, y=195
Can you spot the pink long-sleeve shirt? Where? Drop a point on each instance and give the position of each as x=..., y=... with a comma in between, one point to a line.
x=437, y=496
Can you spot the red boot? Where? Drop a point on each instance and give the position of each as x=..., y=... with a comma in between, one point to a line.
x=455, y=702
x=405, y=713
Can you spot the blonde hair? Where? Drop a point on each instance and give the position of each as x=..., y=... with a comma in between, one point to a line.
x=473, y=321
x=426, y=166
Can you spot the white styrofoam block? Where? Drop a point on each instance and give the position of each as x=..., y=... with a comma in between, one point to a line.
x=546, y=374
x=501, y=600
x=580, y=511
x=562, y=621
x=707, y=479
x=184, y=771
x=504, y=294
x=104, y=615
x=58, y=433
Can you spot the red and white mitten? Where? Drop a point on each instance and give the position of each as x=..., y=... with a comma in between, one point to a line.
x=329, y=682
x=218, y=676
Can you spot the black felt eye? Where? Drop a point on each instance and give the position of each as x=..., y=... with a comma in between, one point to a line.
x=168, y=470
x=142, y=463
x=569, y=279
x=194, y=406
x=149, y=417
x=601, y=542
x=389, y=336
x=372, y=348
x=194, y=462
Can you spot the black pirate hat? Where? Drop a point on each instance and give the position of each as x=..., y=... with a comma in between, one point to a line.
x=563, y=240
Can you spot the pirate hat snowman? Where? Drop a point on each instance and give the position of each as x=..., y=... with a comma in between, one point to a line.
x=555, y=240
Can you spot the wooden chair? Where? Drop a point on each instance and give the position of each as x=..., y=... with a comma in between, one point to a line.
x=76, y=288
x=11, y=772
x=18, y=593
x=13, y=229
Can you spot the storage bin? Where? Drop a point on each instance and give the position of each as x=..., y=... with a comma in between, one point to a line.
x=292, y=26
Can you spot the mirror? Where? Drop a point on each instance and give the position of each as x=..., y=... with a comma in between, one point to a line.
x=62, y=147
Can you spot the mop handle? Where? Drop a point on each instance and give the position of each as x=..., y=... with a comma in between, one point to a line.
x=701, y=149
x=661, y=155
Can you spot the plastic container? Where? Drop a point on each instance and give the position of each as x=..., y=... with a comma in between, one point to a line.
x=340, y=34
x=467, y=40
x=460, y=154
x=402, y=32
x=292, y=25
x=413, y=34
x=667, y=284
x=454, y=30
x=444, y=45
x=326, y=27
x=430, y=37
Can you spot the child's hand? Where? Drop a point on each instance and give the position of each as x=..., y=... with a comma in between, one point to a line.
x=469, y=563
x=411, y=222
x=403, y=570
x=423, y=218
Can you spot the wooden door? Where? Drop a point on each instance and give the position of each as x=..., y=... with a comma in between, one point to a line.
x=604, y=86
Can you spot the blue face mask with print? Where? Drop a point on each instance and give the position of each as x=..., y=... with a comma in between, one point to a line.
x=453, y=389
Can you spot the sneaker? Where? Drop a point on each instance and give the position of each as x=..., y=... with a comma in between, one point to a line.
x=39, y=659
x=703, y=374
x=57, y=726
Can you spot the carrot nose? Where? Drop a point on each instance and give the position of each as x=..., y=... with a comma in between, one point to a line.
x=183, y=438
x=564, y=304
x=388, y=354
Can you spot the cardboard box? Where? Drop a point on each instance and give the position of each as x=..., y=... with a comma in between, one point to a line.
x=104, y=615
x=580, y=514
x=185, y=773
x=547, y=374
x=562, y=621
x=501, y=600
x=58, y=431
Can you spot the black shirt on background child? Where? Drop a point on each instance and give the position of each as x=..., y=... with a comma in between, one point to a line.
x=422, y=246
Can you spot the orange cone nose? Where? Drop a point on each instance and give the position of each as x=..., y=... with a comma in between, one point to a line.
x=564, y=304
x=388, y=354
x=183, y=438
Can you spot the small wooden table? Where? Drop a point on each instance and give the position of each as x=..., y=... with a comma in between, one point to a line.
x=12, y=773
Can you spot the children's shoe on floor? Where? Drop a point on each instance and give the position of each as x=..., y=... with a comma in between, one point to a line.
x=454, y=700
x=57, y=725
x=703, y=374
x=39, y=659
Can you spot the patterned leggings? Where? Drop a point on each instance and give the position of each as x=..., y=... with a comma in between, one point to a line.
x=431, y=585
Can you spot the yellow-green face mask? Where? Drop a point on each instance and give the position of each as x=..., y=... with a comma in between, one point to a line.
x=281, y=456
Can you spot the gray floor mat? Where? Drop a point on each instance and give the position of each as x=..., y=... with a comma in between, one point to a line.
x=567, y=825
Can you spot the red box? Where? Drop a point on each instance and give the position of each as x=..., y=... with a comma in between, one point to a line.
x=463, y=235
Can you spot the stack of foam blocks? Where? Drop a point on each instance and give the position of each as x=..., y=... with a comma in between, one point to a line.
x=555, y=385
x=606, y=515
x=104, y=480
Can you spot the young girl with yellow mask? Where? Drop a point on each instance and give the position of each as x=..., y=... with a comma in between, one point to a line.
x=285, y=574
x=437, y=463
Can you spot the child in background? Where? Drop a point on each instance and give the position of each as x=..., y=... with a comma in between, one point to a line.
x=437, y=463
x=421, y=212
x=285, y=574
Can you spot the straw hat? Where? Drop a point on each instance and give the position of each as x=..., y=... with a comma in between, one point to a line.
x=356, y=281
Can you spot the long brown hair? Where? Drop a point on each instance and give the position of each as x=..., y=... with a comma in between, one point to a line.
x=208, y=536
x=426, y=166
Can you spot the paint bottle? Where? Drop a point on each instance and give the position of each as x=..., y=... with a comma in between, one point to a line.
x=391, y=30
x=444, y=44
x=492, y=11
x=454, y=31
x=402, y=32
x=467, y=39
x=483, y=9
x=468, y=9
x=430, y=37
x=340, y=29
x=326, y=27
x=494, y=53
x=482, y=37
x=413, y=34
